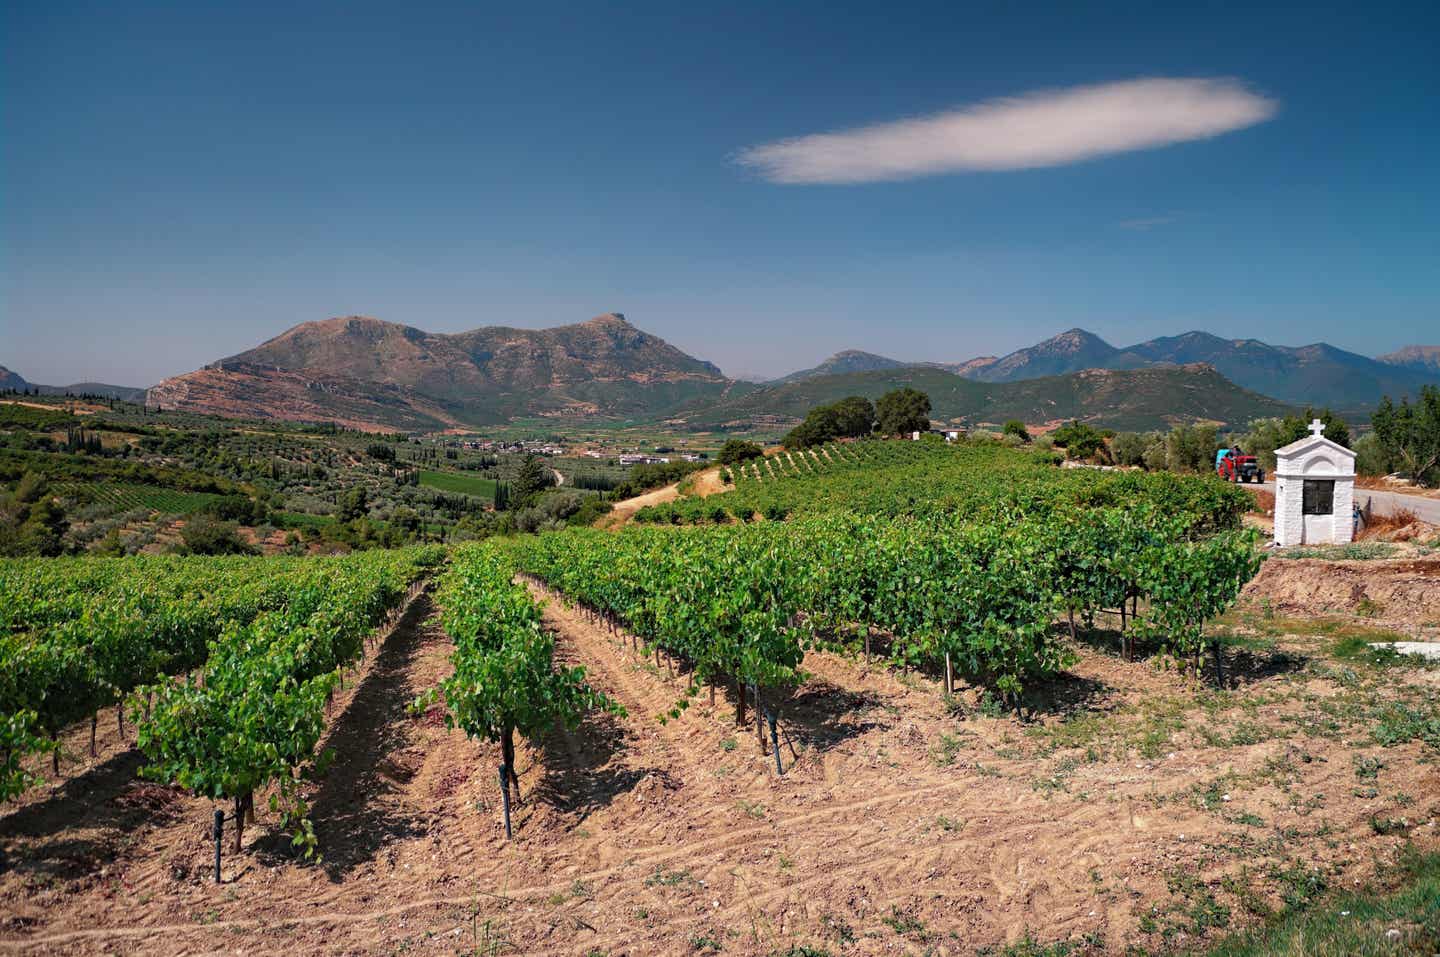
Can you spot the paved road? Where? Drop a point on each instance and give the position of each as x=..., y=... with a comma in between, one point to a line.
x=1383, y=503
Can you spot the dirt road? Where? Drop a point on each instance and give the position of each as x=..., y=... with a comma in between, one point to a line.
x=703, y=483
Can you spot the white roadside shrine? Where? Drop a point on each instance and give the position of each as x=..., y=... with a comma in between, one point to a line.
x=1314, y=491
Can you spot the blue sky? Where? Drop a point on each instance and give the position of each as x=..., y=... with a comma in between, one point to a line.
x=181, y=181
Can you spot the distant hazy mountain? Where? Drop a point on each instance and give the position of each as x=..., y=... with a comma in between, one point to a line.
x=1419, y=358
x=1151, y=398
x=850, y=360
x=368, y=373
x=1318, y=374
x=1070, y=351
x=853, y=360
x=124, y=393
x=12, y=380
x=968, y=367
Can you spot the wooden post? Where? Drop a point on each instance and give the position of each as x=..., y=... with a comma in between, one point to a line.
x=949, y=675
x=1124, y=635
x=759, y=720
x=239, y=821
x=775, y=743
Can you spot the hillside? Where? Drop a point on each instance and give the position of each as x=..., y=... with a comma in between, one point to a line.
x=124, y=393
x=849, y=360
x=1121, y=399
x=854, y=360
x=369, y=373
x=1419, y=358
x=12, y=380
x=1317, y=374
x=1070, y=351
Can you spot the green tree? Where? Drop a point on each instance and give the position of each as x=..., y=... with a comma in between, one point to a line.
x=1128, y=448
x=1079, y=440
x=1267, y=435
x=1410, y=434
x=901, y=411
x=43, y=532
x=354, y=503
x=1371, y=457
x=738, y=450
x=534, y=477
x=1191, y=448
x=1297, y=427
x=31, y=488
x=821, y=425
x=407, y=519
x=31, y=522
x=855, y=416
x=206, y=535
x=1016, y=428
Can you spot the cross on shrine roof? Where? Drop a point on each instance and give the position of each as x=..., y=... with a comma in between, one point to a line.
x=1317, y=428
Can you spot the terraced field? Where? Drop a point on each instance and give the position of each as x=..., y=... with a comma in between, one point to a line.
x=126, y=497
x=460, y=483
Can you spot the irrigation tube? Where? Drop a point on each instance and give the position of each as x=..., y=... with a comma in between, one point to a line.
x=774, y=741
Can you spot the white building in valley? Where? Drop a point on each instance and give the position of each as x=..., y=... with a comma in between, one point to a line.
x=1314, y=491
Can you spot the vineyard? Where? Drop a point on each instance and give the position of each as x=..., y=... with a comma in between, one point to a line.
x=226, y=664
x=975, y=480
x=127, y=497
x=743, y=603
x=989, y=697
x=459, y=482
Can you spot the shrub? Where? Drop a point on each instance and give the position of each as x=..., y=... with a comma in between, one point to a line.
x=206, y=535
x=1079, y=440
x=738, y=450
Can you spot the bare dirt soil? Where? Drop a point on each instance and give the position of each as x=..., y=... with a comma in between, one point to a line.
x=702, y=483
x=623, y=510
x=1132, y=807
x=1400, y=592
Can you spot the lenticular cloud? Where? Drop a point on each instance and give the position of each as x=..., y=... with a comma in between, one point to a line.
x=1044, y=128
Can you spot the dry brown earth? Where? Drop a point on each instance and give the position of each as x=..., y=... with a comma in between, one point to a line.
x=1131, y=801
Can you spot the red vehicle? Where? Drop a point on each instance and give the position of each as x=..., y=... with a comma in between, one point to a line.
x=1234, y=466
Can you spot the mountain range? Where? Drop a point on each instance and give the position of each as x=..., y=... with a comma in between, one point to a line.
x=364, y=372
x=1419, y=358
x=1130, y=399
x=1316, y=375
x=17, y=382
x=367, y=373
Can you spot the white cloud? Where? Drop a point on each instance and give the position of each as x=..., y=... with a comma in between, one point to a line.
x=1044, y=128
